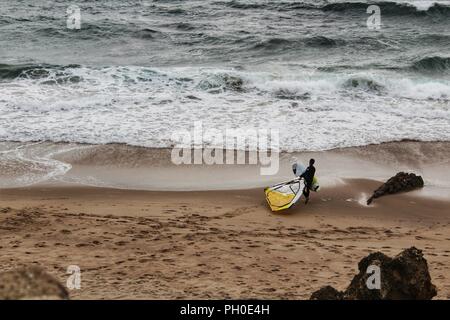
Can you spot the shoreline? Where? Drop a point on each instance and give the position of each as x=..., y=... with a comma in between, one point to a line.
x=139, y=168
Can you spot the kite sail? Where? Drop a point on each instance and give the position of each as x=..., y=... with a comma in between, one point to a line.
x=284, y=195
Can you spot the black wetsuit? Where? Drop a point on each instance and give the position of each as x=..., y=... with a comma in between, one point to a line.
x=308, y=175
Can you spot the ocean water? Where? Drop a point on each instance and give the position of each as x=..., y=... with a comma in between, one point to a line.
x=138, y=71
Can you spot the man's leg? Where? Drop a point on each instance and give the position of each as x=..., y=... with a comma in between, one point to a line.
x=306, y=193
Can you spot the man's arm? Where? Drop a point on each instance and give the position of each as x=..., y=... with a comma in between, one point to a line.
x=304, y=173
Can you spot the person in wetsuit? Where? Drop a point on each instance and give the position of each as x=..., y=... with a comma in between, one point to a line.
x=308, y=176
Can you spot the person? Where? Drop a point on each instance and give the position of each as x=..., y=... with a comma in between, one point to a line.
x=308, y=176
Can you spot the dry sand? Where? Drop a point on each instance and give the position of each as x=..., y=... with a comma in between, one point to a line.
x=214, y=244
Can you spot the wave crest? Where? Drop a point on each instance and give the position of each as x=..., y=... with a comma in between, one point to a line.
x=432, y=65
x=51, y=74
x=221, y=82
x=364, y=83
x=389, y=7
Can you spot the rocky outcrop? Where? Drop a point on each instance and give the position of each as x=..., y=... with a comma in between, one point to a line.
x=405, y=276
x=327, y=293
x=401, y=182
x=30, y=283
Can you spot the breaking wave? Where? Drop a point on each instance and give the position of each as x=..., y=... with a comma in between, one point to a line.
x=52, y=74
x=364, y=83
x=275, y=44
x=144, y=106
x=432, y=65
x=197, y=81
x=387, y=7
x=15, y=71
x=390, y=8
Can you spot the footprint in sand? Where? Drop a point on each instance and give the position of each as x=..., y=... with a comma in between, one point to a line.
x=81, y=245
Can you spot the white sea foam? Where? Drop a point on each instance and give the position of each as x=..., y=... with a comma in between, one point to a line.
x=143, y=106
x=31, y=163
x=422, y=4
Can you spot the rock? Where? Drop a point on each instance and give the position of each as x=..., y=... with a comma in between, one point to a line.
x=401, y=182
x=403, y=277
x=30, y=283
x=326, y=293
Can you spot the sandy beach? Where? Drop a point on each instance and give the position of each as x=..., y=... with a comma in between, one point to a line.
x=141, y=244
x=145, y=143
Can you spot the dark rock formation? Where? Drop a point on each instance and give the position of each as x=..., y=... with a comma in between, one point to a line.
x=327, y=293
x=30, y=283
x=405, y=276
x=401, y=182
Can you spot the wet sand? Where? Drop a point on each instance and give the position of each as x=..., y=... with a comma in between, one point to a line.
x=137, y=168
x=215, y=244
